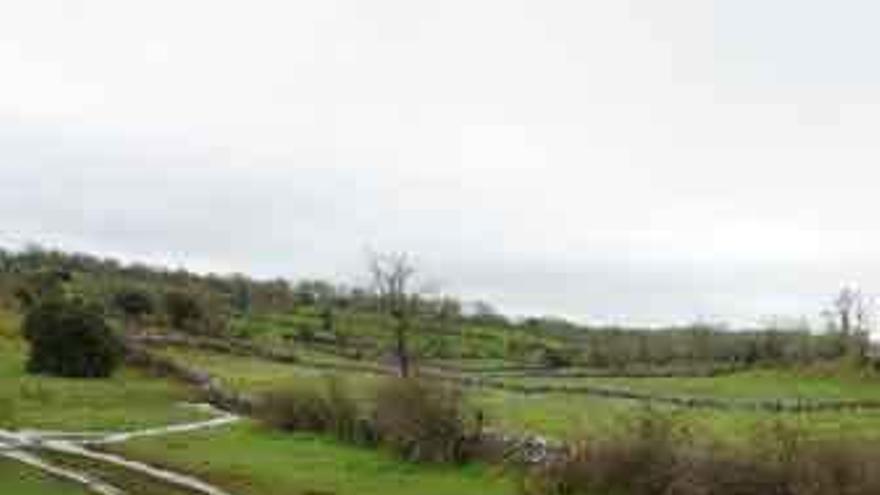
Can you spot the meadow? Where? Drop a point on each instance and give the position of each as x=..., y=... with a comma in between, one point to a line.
x=780, y=383
x=539, y=377
x=129, y=400
x=562, y=415
x=21, y=480
x=251, y=460
x=246, y=459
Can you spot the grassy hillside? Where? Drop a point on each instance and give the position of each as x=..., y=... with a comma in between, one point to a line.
x=128, y=400
x=527, y=377
x=563, y=415
x=368, y=335
x=243, y=459
x=317, y=313
x=250, y=461
x=762, y=383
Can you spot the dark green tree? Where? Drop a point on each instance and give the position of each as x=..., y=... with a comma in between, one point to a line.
x=134, y=304
x=242, y=297
x=71, y=339
x=184, y=310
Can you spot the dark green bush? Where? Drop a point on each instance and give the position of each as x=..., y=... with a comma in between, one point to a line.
x=305, y=333
x=552, y=357
x=184, y=310
x=71, y=339
x=133, y=303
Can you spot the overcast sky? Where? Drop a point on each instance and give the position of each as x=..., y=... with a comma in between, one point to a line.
x=612, y=161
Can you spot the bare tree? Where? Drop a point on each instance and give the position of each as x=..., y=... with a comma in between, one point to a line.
x=392, y=276
x=854, y=312
x=844, y=306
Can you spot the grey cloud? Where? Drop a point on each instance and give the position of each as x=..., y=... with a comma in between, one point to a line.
x=612, y=161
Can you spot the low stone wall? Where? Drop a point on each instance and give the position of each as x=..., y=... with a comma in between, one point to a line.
x=492, y=445
x=709, y=370
x=249, y=349
x=213, y=390
x=790, y=405
x=721, y=403
x=228, y=346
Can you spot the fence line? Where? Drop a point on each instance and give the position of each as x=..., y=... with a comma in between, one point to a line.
x=786, y=405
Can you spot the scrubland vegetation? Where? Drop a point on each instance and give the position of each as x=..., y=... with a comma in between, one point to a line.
x=400, y=389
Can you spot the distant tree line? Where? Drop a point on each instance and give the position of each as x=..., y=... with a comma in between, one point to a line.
x=141, y=293
x=416, y=323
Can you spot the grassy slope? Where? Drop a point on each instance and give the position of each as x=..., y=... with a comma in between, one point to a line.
x=242, y=459
x=128, y=400
x=748, y=384
x=468, y=340
x=559, y=415
x=250, y=461
x=255, y=375
x=16, y=479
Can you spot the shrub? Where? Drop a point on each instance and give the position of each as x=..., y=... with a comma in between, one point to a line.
x=134, y=304
x=183, y=309
x=655, y=459
x=45, y=283
x=422, y=421
x=346, y=423
x=642, y=461
x=71, y=339
x=305, y=333
x=295, y=409
x=330, y=409
x=419, y=421
x=552, y=357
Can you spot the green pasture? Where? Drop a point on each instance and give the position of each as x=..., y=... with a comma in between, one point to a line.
x=755, y=384
x=128, y=400
x=557, y=415
x=248, y=460
x=18, y=479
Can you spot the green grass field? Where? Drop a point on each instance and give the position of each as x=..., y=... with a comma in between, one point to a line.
x=128, y=400
x=17, y=479
x=562, y=415
x=248, y=374
x=129, y=482
x=758, y=384
x=248, y=460
x=565, y=416
x=243, y=459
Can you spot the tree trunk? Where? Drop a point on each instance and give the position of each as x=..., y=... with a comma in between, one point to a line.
x=401, y=351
